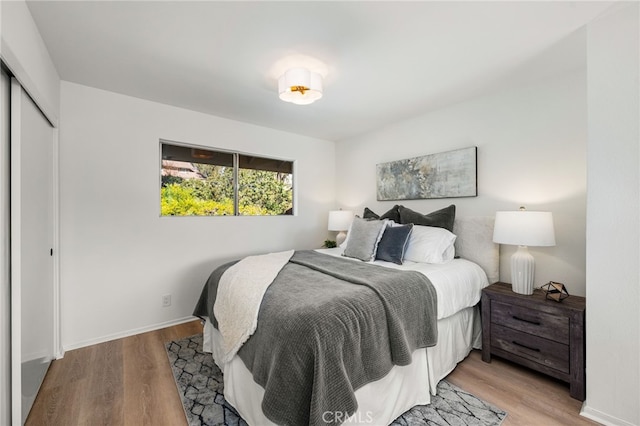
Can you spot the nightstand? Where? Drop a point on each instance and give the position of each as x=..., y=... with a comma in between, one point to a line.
x=541, y=334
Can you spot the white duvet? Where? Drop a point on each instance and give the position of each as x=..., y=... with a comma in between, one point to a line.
x=457, y=283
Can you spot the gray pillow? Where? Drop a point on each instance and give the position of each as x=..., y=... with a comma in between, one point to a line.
x=442, y=218
x=364, y=236
x=393, y=243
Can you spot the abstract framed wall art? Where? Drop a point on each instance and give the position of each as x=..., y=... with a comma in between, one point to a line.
x=450, y=174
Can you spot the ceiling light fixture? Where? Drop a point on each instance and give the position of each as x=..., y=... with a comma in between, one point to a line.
x=300, y=86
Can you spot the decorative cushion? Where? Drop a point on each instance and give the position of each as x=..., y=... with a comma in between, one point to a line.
x=393, y=243
x=442, y=218
x=369, y=214
x=364, y=236
x=393, y=214
x=428, y=244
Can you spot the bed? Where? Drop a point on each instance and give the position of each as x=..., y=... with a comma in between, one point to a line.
x=457, y=283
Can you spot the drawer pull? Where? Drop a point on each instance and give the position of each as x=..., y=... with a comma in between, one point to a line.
x=525, y=346
x=525, y=320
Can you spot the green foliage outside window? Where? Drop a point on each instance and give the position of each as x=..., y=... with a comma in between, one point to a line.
x=264, y=191
x=260, y=192
x=179, y=200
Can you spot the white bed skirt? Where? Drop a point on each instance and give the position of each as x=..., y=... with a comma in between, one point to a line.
x=379, y=402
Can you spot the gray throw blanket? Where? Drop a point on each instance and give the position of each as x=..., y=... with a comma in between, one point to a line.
x=326, y=327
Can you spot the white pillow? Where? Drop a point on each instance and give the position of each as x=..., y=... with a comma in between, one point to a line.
x=428, y=244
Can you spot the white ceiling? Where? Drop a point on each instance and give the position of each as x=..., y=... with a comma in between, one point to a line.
x=385, y=61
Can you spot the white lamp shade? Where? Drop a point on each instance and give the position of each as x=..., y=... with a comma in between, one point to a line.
x=340, y=220
x=300, y=86
x=524, y=228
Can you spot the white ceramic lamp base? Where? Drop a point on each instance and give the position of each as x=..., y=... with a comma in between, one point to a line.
x=341, y=237
x=522, y=269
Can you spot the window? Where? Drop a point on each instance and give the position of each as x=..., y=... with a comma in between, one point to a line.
x=204, y=182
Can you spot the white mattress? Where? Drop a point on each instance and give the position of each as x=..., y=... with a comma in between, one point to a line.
x=457, y=283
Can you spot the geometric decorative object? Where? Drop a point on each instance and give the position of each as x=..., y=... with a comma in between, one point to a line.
x=555, y=291
x=523, y=228
x=340, y=220
x=300, y=86
x=449, y=174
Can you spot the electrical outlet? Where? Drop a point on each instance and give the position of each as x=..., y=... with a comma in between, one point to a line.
x=166, y=300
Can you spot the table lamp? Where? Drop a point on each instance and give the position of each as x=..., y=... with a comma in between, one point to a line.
x=523, y=228
x=340, y=220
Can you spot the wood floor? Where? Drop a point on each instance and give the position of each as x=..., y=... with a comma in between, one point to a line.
x=129, y=382
x=528, y=397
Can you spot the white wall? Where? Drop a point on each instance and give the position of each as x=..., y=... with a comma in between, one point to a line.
x=26, y=55
x=118, y=257
x=613, y=218
x=531, y=151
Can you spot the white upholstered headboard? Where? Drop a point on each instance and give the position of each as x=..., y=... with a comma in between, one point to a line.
x=474, y=242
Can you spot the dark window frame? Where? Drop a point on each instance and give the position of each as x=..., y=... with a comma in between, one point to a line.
x=237, y=160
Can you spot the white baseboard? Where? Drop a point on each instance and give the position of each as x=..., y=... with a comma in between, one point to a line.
x=601, y=417
x=126, y=333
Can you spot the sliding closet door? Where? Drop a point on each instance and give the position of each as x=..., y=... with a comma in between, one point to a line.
x=5, y=259
x=31, y=249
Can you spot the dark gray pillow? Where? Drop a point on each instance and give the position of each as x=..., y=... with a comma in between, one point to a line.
x=364, y=236
x=393, y=214
x=442, y=218
x=394, y=243
x=369, y=214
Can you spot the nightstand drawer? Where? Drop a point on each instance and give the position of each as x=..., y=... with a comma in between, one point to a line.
x=542, y=324
x=542, y=351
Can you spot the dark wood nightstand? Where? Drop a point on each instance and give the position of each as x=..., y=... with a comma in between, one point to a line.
x=541, y=334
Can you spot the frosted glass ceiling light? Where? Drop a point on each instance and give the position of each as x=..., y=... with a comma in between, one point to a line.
x=300, y=86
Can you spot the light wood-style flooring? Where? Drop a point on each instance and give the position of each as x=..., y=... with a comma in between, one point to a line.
x=129, y=382
x=529, y=398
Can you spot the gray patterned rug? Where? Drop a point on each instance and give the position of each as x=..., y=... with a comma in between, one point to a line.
x=200, y=385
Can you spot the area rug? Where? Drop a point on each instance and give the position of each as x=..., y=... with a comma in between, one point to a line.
x=199, y=383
